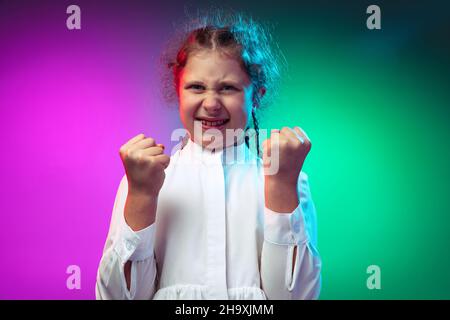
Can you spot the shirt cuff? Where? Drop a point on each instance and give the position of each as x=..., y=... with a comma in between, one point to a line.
x=135, y=245
x=285, y=228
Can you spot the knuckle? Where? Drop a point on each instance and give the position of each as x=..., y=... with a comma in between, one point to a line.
x=127, y=154
x=138, y=156
x=283, y=143
x=139, y=137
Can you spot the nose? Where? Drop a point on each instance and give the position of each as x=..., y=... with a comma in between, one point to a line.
x=211, y=103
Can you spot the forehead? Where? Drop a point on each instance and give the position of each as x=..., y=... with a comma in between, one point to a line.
x=212, y=66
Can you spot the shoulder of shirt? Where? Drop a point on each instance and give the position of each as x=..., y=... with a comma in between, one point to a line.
x=303, y=176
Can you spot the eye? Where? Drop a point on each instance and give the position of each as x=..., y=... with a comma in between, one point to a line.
x=196, y=87
x=229, y=88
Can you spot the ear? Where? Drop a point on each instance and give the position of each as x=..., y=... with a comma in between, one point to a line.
x=261, y=92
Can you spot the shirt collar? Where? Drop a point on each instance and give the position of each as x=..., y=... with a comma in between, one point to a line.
x=235, y=154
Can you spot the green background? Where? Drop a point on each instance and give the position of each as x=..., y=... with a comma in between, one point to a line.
x=375, y=104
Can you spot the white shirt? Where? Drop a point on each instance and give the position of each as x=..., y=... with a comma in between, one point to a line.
x=213, y=237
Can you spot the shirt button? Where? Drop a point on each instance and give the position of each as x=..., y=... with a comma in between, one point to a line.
x=129, y=245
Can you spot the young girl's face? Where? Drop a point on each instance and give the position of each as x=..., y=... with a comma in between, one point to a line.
x=214, y=93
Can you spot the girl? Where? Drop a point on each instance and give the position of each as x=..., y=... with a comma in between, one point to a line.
x=211, y=221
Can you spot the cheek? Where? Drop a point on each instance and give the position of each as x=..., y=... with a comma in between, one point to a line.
x=187, y=107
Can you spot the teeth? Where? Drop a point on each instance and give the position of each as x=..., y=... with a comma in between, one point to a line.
x=213, y=123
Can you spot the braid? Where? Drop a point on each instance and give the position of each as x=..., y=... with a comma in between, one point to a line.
x=256, y=127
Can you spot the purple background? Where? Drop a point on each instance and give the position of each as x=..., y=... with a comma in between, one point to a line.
x=69, y=99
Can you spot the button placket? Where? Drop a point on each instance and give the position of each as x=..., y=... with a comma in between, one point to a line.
x=214, y=184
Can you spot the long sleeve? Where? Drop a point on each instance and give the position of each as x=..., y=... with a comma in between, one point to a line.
x=122, y=245
x=282, y=232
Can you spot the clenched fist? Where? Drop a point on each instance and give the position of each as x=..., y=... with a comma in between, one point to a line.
x=144, y=163
x=286, y=150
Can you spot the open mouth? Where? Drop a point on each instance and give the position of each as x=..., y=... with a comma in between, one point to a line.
x=213, y=123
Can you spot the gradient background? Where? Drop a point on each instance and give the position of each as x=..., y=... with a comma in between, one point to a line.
x=376, y=105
